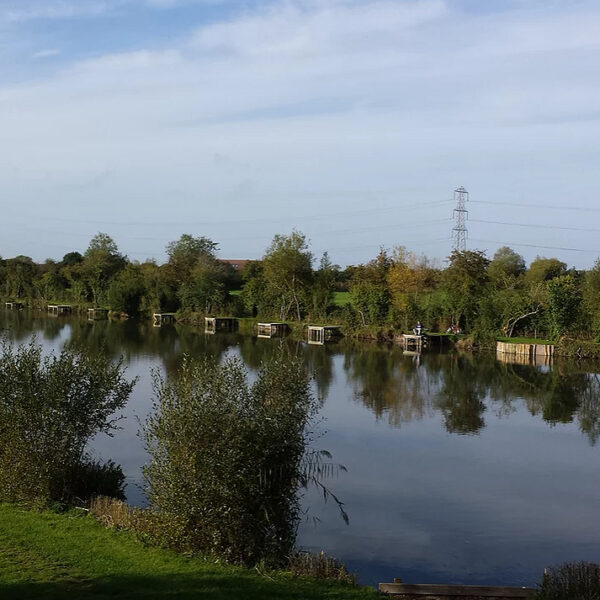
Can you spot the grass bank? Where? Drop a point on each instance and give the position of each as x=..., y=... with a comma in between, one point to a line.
x=56, y=556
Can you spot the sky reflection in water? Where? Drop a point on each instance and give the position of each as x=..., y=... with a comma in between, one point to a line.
x=460, y=469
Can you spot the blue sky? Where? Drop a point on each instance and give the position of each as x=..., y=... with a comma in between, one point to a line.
x=352, y=121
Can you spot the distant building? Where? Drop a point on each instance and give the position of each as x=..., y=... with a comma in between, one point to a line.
x=237, y=264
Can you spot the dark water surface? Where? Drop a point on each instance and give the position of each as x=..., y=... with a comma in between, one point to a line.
x=460, y=469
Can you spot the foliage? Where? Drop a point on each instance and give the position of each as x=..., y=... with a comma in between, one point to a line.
x=464, y=282
x=226, y=457
x=564, y=303
x=571, y=581
x=50, y=407
x=505, y=265
x=287, y=273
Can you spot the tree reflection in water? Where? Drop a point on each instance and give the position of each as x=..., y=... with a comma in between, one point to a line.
x=391, y=384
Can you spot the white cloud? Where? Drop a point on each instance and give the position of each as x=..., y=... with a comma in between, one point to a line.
x=385, y=101
x=48, y=53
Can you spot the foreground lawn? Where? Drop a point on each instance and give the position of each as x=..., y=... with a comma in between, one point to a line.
x=49, y=556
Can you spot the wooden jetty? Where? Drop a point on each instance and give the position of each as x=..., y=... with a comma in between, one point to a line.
x=97, y=313
x=14, y=305
x=453, y=592
x=413, y=342
x=160, y=318
x=59, y=309
x=271, y=330
x=528, y=351
x=214, y=324
x=320, y=334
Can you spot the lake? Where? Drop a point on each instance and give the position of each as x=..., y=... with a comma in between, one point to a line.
x=460, y=468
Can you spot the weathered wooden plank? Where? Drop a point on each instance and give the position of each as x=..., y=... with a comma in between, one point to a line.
x=407, y=589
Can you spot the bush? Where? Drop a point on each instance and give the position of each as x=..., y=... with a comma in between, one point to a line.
x=571, y=581
x=227, y=457
x=50, y=407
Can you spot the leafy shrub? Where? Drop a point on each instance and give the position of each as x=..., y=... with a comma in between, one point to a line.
x=571, y=581
x=50, y=407
x=227, y=457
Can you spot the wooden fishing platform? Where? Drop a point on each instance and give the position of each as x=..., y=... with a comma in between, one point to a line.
x=159, y=319
x=413, y=342
x=215, y=324
x=271, y=330
x=59, y=309
x=14, y=305
x=453, y=592
x=321, y=334
x=525, y=350
x=97, y=313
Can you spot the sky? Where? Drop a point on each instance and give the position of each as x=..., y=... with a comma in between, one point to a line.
x=352, y=121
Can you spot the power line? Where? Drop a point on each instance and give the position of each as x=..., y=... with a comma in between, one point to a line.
x=544, y=206
x=537, y=246
x=296, y=217
x=536, y=226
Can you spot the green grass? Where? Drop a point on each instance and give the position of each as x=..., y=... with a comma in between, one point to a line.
x=235, y=292
x=341, y=298
x=525, y=340
x=56, y=556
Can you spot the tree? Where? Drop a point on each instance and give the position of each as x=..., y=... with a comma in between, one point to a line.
x=227, y=457
x=50, y=408
x=126, y=290
x=324, y=285
x=505, y=265
x=101, y=262
x=186, y=252
x=564, y=303
x=287, y=272
x=369, y=289
x=545, y=269
x=465, y=281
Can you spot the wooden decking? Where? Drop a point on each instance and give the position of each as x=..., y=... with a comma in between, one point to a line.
x=271, y=330
x=215, y=324
x=14, y=305
x=525, y=352
x=97, y=313
x=413, y=342
x=160, y=318
x=59, y=309
x=321, y=334
x=453, y=592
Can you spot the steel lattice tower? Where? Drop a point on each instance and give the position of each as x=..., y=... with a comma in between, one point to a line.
x=459, y=231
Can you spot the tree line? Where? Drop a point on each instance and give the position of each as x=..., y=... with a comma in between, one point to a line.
x=485, y=296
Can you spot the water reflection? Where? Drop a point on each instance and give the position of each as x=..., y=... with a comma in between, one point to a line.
x=451, y=458
x=396, y=386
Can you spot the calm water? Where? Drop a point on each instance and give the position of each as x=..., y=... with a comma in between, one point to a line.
x=460, y=469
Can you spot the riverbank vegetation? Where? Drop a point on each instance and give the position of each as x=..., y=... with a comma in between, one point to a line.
x=50, y=408
x=485, y=297
x=228, y=459
x=71, y=555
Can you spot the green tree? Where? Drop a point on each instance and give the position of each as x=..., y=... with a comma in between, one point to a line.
x=544, y=269
x=324, y=285
x=564, y=297
x=464, y=281
x=50, y=408
x=287, y=273
x=227, y=457
x=101, y=262
x=505, y=266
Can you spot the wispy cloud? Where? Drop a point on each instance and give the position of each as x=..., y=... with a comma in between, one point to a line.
x=318, y=95
x=48, y=53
